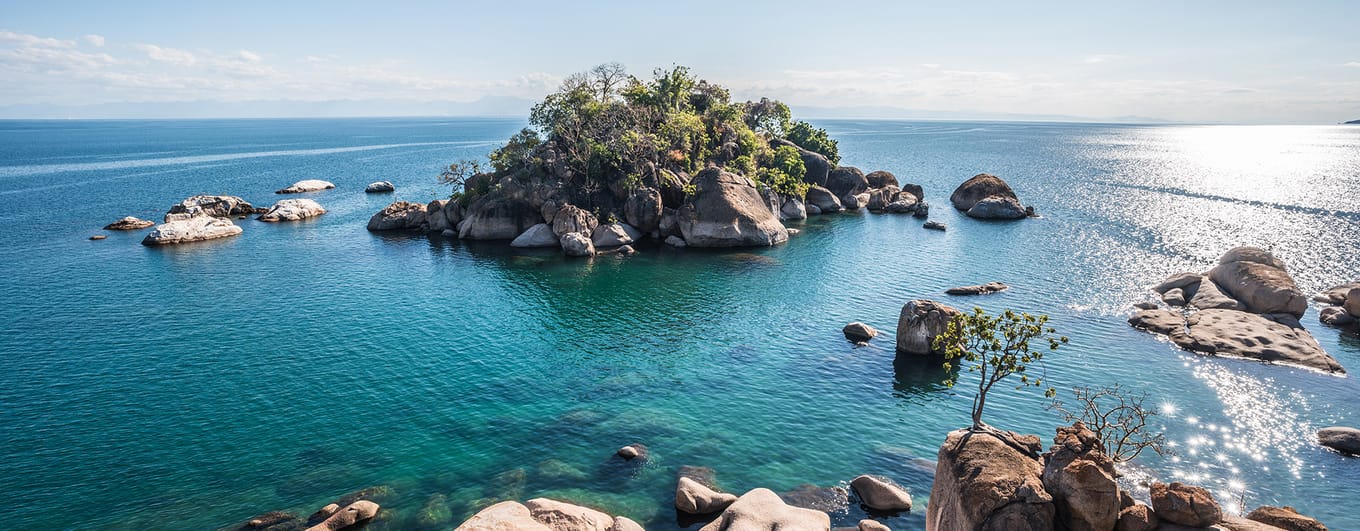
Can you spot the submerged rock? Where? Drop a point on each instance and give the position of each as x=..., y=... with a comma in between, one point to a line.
x=353, y=514
x=380, y=187
x=727, y=211
x=881, y=494
x=859, y=332
x=129, y=223
x=825, y=499
x=1340, y=438
x=934, y=225
x=309, y=185
x=692, y=497
x=191, y=230
x=1186, y=505
x=292, y=210
x=401, y=215
x=763, y=509
x=983, y=482
x=980, y=289
x=272, y=521
x=918, y=324
x=540, y=235
x=218, y=206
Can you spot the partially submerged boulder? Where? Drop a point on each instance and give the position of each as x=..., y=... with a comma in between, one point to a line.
x=1183, y=504
x=727, y=211
x=353, y=514
x=997, y=207
x=292, y=210
x=129, y=223
x=401, y=215
x=380, y=187
x=614, y=235
x=762, y=509
x=980, y=289
x=859, y=332
x=1335, y=295
x=825, y=201
x=501, y=218
x=309, y=185
x=793, y=208
x=985, y=482
x=692, y=497
x=1259, y=280
x=576, y=244
x=218, y=206
x=1340, y=438
x=918, y=324
x=540, y=235
x=881, y=494
x=191, y=230
x=979, y=187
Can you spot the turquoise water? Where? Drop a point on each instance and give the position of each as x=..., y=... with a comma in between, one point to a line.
x=195, y=386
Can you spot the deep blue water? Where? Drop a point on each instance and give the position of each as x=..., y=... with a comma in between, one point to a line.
x=195, y=386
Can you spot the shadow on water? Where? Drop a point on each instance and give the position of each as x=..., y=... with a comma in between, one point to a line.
x=918, y=378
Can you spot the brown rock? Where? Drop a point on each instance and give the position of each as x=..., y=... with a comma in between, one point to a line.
x=985, y=482
x=132, y=223
x=1335, y=296
x=872, y=525
x=1137, y=517
x=1259, y=280
x=859, y=332
x=979, y=187
x=762, y=509
x=1183, y=504
x=881, y=494
x=560, y=516
x=401, y=215
x=1352, y=304
x=1081, y=479
x=354, y=513
x=503, y=516
x=881, y=179
x=918, y=324
x=692, y=497
x=1285, y=518
x=1247, y=335
x=625, y=524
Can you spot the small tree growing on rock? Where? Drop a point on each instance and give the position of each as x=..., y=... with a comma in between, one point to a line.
x=996, y=347
x=1119, y=420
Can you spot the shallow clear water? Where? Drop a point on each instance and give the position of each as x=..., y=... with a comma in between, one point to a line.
x=195, y=386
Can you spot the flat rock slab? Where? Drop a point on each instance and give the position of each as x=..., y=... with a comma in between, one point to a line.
x=981, y=289
x=1233, y=333
x=309, y=185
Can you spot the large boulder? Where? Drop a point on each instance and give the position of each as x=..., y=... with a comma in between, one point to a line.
x=504, y=516
x=401, y=215
x=1352, y=304
x=352, y=515
x=1183, y=504
x=218, y=206
x=1208, y=296
x=692, y=497
x=1248, y=335
x=540, y=235
x=1259, y=280
x=560, y=516
x=825, y=201
x=762, y=509
x=728, y=211
x=643, y=209
x=501, y=218
x=1340, y=438
x=191, y=230
x=436, y=218
x=577, y=244
x=380, y=187
x=793, y=208
x=129, y=223
x=881, y=179
x=1285, y=518
x=918, y=324
x=1081, y=479
x=818, y=167
x=845, y=181
x=997, y=207
x=571, y=218
x=614, y=235
x=309, y=185
x=983, y=482
x=881, y=494
x=979, y=187
x=292, y=210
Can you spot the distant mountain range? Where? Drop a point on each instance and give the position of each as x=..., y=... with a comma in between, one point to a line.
x=1352, y=122
x=899, y=113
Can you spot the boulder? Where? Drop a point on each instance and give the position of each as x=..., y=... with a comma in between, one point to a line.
x=846, y=181
x=812, y=210
x=633, y=451
x=129, y=223
x=576, y=244
x=1165, y=322
x=1228, y=523
x=401, y=215
x=309, y=185
x=218, y=206
x=880, y=198
x=855, y=202
x=1285, y=518
x=1183, y=504
x=980, y=289
x=670, y=225
x=98, y=237
x=727, y=211
x=1352, y=304
x=934, y=225
x=380, y=187
x=881, y=179
x=762, y=509
x=540, y=235
x=676, y=241
x=614, y=235
x=872, y=525
x=353, y=514
x=1081, y=479
x=436, y=218
x=793, y=209
x=1186, y=282
x=292, y=210
x=922, y=209
x=825, y=201
x=549, y=211
x=914, y=190
x=624, y=524
x=1208, y=296
x=503, y=516
x=979, y=187
x=571, y=218
x=985, y=482
x=1340, y=438
x=918, y=324
x=997, y=207
x=1259, y=280
x=1137, y=517
x=859, y=332
x=904, y=204
x=560, y=516
x=818, y=167
x=1335, y=296
x=692, y=497
x=1336, y=316
x=501, y=218
x=643, y=209
x=191, y=230
x=1174, y=297
x=881, y=494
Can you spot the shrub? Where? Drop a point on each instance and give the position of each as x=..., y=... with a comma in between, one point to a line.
x=995, y=347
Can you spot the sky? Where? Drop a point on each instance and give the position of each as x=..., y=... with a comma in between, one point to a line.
x=1196, y=61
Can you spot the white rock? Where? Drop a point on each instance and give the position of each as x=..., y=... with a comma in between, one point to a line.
x=540, y=235
x=309, y=185
x=191, y=230
x=292, y=210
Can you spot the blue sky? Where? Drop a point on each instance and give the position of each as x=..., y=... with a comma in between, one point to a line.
x=1250, y=62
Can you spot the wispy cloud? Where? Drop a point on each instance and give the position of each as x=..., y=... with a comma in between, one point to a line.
x=167, y=55
x=1099, y=58
x=95, y=40
x=24, y=39
x=1353, y=64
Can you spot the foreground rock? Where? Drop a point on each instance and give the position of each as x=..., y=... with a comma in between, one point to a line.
x=1081, y=479
x=129, y=223
x=292, y=210
x=881, y=494
x=1342, y=439
x=380, y=187
x=981, y=289
x=401, y=215
x=1186, y=505
x=692, y=497
x=503, y=516
x=727, y=211
x=982, y=482
x=309, y=185
x=1285, y=518
x=561, y=516
x=540, y=235
x=918, y=324
x=762, y=509
x=353, y=514
x=859, y=332
x=218, y=206
x=191, y=230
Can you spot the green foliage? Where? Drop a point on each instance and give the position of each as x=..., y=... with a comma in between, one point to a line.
x=814, y=139
x=767, y=116
x=1119, y=420
x=785, y=172
x=996, y=347
x=518, y=154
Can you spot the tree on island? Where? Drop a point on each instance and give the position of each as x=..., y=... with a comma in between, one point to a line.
x=995, y=347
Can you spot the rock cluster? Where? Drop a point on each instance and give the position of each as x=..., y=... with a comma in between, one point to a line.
x=218, y=206
x=349, y=512
x=1247, y=306
x=1344, y=309
x=309, y=185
